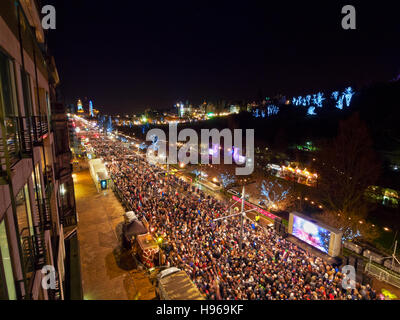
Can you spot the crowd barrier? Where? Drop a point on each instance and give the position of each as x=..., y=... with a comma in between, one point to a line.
x=380, y=263
x=382, y=275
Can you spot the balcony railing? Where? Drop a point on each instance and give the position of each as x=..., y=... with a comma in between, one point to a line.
x=45, y=214
x=33, y=253
x=40, y=128
x=69, y=219
x=18, y=135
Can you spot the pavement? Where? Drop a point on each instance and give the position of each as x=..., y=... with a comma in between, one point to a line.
x=108, y=271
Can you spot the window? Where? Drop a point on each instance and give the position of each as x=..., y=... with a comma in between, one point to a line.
x=38, y=185
x=24, y=213
x=67, y=196
x=7, y=87
x=7, y=284
x=8, y=105
x=48, y=105
x=40, y=109
x=27, y=93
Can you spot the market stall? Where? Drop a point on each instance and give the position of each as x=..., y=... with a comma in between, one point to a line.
x=147, y=249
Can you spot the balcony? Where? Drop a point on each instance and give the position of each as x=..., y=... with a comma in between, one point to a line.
x=63, y=166
x=39, y=128
x=33, y=258
x=69, y=218
x=33, y=252
x=45, y=214
x=18, y=136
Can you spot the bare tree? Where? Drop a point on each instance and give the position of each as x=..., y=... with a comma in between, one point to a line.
x=352, y=227
x=347, y=166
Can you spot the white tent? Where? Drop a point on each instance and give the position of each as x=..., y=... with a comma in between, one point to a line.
x=98, y=171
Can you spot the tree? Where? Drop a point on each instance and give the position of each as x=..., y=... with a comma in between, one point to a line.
x=352, y=227
x=227, y=179
x=276, y=195
x=347, y=166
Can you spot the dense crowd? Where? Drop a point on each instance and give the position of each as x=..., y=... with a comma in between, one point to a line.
x=271, y=267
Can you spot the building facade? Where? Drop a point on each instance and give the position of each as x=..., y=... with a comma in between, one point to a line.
x=37, y=202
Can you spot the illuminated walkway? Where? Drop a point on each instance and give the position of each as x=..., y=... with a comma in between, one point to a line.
x=108, y=272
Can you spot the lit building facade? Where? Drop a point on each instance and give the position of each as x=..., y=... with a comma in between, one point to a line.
x=37, y=203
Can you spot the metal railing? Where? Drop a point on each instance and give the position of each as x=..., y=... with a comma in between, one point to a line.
x=69, y=220
x=45, y=214
x=33, y=252
x=382, y=274
x=122, y=198
x=39, y=128
x=18, y=135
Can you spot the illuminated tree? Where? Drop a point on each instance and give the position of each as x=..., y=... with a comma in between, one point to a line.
x=352, y=228
x=272, y=110
x=227, y=179
x=311, y=111
x=339, y=102
x=143, y=146
x=335, y=95
x=276, y=195
x=348, y=94
x=318, y=99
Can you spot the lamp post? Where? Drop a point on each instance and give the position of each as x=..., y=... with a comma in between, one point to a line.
x=241, y=221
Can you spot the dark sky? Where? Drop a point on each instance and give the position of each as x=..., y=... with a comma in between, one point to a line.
x=129, y=55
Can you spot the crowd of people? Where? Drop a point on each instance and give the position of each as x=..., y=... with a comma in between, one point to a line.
x=269, y=266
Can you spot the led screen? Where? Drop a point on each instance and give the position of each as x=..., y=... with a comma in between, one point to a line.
x=103, y=184
x=311, y=233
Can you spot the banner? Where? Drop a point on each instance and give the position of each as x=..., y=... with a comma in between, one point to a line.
x=258, y=209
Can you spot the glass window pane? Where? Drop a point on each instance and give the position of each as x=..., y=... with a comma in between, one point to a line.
x=8, y=282
x=38, y=189
x=26, y=90
x=5, y=86
x=24, y=213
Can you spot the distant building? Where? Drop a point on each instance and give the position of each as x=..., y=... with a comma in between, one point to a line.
x=80, y=107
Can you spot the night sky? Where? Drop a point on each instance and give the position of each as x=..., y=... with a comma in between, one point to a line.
x=130, y=55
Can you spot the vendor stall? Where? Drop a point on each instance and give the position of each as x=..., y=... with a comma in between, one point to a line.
x=148, y=249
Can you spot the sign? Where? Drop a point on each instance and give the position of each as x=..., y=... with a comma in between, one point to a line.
x=258, y=209
x=103, y=184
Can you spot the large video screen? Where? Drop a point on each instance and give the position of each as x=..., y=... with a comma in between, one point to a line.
x=311, y=233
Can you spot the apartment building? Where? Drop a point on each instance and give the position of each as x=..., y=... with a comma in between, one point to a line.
x=37, y=203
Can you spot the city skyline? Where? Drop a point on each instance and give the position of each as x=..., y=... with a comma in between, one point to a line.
x=153, y=56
